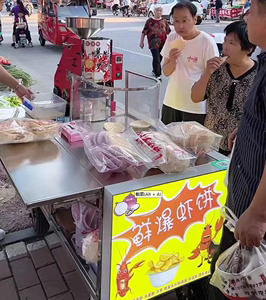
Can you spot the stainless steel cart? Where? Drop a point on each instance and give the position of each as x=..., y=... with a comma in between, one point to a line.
x=54, y=173
x=49, y=173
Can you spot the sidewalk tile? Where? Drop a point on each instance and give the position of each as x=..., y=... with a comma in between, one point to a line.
x=33, y=293
x=52, y=281
x=24, y=273
x=65, y=264
x=78, y=288
x=36, y=245
x=8, y=289
x=66, y=296
x=16, y=251
x=40, y=254
x=52, y=241
x=4, y=267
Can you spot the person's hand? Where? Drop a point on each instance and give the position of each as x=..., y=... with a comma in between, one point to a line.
x=214, y=63
x=250, y=228
x=22, y=92
x=141, y=45
x=231, y=139
x=174, y=54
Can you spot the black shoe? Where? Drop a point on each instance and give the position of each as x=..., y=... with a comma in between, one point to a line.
x=13, y=45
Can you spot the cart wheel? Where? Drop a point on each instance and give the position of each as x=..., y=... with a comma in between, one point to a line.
x=39, y=222
x=41, y=39
x=201, y=288
x=57, y=91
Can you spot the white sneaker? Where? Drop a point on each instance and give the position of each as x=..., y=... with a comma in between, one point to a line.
x=2, y=234
x=16, y=46
x=159, y=78
x=30, y=44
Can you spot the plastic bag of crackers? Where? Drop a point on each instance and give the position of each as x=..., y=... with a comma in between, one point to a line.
x=192, y=136
x=240, y=273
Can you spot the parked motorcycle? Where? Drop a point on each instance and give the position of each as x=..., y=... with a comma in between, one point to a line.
x=8, y=5
x=126, y=10
x=115, y=9
x=137, y=11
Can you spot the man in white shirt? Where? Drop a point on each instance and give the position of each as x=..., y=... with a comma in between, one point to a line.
x=185, y=67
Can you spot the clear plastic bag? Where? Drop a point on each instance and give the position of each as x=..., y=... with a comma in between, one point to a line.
x=27, y=130
x=85, y=217
x=91, y=246
x=170, y=158
x=192, y=136
x=86, y=221
x=108, y=151
x=240, y=273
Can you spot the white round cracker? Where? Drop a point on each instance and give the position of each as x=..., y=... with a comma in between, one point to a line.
x=140, y=124
x=178, y=44
x=116, y=127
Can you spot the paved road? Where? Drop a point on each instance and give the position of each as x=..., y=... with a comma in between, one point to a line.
x=41, y=62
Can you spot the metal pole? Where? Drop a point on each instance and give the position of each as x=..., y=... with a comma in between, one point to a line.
x=158, y=101
x=126, y=93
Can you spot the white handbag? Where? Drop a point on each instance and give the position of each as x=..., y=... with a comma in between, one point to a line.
x=240, y=273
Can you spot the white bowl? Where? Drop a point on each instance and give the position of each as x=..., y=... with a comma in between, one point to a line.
x=162, y=278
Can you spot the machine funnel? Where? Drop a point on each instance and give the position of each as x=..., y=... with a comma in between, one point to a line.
x=85, y=27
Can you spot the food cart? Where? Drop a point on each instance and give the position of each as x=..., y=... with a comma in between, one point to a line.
x=160, y=230
x=165, y=238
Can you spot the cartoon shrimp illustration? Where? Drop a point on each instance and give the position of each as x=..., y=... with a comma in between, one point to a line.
x=206, y=247
x=124, y=275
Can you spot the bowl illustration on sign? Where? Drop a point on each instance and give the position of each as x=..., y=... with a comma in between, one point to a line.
x=165, y=270
x=127, y=206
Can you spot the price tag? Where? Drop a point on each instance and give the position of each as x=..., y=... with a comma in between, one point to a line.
x=221, y=164
x=63, y=119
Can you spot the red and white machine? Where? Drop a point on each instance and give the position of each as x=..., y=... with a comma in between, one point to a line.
x=87, y=56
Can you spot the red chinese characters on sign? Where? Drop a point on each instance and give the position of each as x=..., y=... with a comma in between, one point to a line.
x=171, y=218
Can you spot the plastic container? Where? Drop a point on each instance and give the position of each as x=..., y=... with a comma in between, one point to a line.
x=46, y=106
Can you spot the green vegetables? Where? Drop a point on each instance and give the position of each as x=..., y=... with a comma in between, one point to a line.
x=13, y=100
x=9, y=101
x=27, y=80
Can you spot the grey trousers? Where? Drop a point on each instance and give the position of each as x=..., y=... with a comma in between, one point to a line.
x=218, y=15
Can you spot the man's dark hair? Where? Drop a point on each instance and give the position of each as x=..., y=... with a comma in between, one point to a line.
x=239, y=28
x=185, y=4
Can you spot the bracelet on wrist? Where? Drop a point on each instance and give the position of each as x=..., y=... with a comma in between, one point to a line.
x=17, y=86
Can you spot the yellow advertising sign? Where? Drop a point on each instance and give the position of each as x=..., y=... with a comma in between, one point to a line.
x=165, y=236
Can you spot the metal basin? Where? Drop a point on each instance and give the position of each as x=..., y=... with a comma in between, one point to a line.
x=85, y=27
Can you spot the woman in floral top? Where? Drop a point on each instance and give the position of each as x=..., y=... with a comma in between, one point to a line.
x=156, y=30
x=227, y=82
